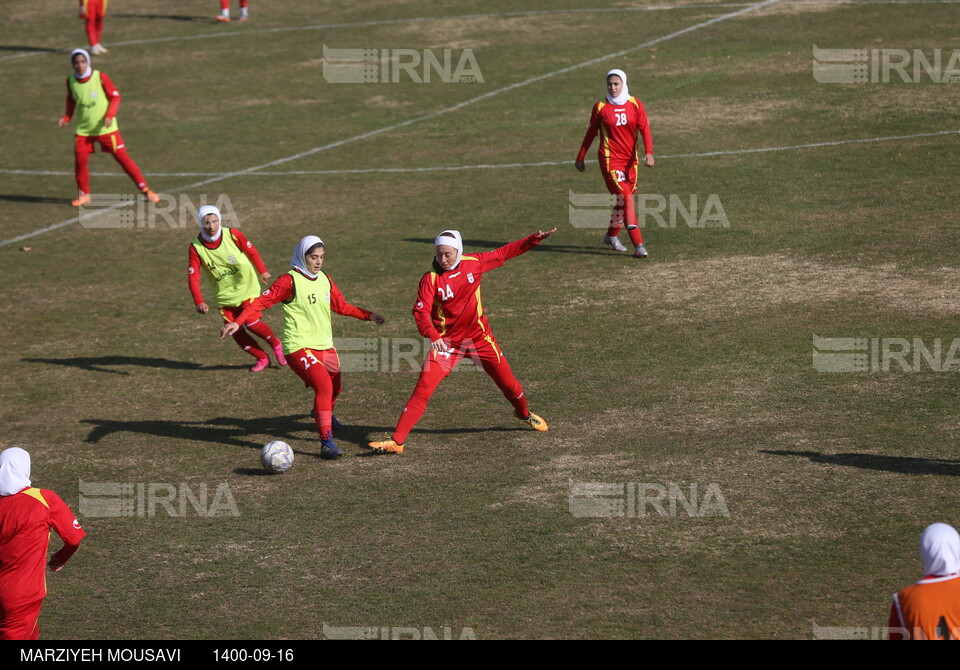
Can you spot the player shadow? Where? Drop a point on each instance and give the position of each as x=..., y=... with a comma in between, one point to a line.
x=99, y=363
x=12, y=47
x=547, y=246
x=166, y=17
x=37, y=199
x=905, y=465
x=220, y=430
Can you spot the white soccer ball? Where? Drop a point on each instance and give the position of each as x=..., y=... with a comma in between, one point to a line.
x=276, y=456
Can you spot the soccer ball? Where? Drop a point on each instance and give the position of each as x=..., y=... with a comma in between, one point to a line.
x=276, y=456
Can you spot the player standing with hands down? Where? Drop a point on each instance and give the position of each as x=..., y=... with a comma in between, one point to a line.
x=93, y=12
x=930, y=608
x=233, y=265
x=309, y=296
x=26, y=516
x=95, y=99
x=619, y=121
x=450, y=314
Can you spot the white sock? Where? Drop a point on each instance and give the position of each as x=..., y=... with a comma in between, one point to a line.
x=243, y=12
x=225, y=12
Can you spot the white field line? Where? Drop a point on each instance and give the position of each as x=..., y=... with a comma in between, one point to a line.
x=387, y=22
x=424, y=117
x=492, y=166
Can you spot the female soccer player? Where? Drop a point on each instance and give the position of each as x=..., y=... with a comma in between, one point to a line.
x=93, y=12
x=930, y=609
x=619, y=120
x=233, y=265
x=26, y=516
x=95, y=99
x=450, y=314
x=309, y=295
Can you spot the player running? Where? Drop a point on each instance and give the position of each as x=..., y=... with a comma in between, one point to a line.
x=450, y=314
x=95, y=99
x=309, y=295
x=232, y=265
x=619, y=121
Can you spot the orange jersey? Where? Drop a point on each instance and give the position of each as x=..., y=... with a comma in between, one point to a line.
x=927, y=610
x=449, y=303
x=618, y=127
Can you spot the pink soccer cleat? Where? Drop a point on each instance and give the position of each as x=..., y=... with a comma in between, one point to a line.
x=278, y=352
x=261, y=364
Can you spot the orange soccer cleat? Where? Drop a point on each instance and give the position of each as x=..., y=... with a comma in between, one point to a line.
x=387, y=447
x=150, y=195
x=536, y=422
x=84, y=199
x=223, y=19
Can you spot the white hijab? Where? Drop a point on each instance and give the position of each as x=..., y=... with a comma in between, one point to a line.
x=298, y=260
x=624, y=92
x=89, y=64
x=451, y=238
x=14, y=470
x=940, y=549
x=209, y=209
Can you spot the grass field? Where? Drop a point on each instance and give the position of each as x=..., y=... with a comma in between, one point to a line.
x=694, y=367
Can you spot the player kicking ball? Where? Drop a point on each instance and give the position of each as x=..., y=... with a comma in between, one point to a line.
x=449, y=312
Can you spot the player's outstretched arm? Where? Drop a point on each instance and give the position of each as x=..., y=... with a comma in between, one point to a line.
x=540, y=235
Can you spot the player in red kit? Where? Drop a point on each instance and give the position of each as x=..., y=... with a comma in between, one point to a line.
x=26, y=516
x=449, y=313
x=233, y=265
x=93, y=12
x=95, y=99
x=619, y=121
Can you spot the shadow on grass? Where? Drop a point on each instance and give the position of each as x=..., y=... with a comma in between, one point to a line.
x=546, y=246
x=903, y=464
x=34, y=199
x=167, y=17
x=233, y=431
x=13, y=47
x=99, y=363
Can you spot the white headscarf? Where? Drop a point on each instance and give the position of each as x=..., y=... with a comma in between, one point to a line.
x=14, y=470
x=209, y=209
x=940, y=549
x=298, y=259
x=89, y=64
x=451, y=238
x=624, y=92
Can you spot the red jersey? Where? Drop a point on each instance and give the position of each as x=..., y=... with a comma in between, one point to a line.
x=112, y=94
x=927, y=610
x=194, y=263
x=25, y=522
x=283, y=290
x=618, y=126
x=448, y=302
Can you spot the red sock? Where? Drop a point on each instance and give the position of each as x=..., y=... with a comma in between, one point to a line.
x=98, y=29
x=263, y=331
x=91, y=25
x=81, y=161
x=502, y=375
x=323, y=403
x=616, y=218
x=431, y=374
x=248, y=344
x=224, y=4
x=130, y=168
x=630, y=216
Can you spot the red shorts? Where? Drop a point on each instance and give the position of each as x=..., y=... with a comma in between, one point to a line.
x=485, y=349
x=96, y=9
x=21, y=622
x=231, y=312
x=110, y=143
x=310, y=363
x=622, y=179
